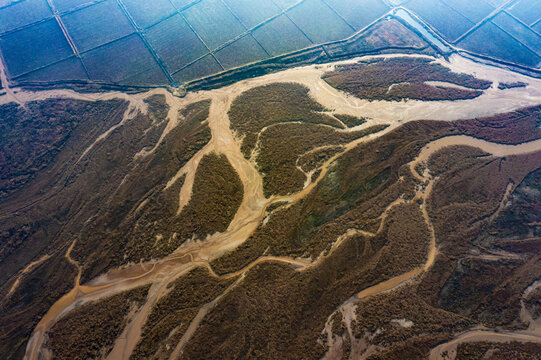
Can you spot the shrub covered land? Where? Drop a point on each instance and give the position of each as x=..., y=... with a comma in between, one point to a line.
x=117, y=206
x=263, y=106
x=498, y=351
x=281, y=146
x=89, y=331
x=403, y=78
x=172, y=315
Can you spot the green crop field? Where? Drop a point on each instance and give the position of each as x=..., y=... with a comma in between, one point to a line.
x=97, y=25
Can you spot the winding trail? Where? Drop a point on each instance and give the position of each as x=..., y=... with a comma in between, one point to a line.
x=251, y=212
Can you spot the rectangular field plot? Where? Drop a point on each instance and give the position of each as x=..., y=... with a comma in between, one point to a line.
x=474, y=10
x=537, y=27
x=183, y=4
x=526, y=10
x=357, y=13
x=243, y=51
x=319, y=22
x=174, y=41
x=447, y=21
x=522, y=33
x=152, y=76
x=284, y=4
x=23, y=13
x=252, y=12
x=213, y=22
x=281, y=36
x=146, y=13
x=492, y=41
x=119, y=60
x=96, y=25
x=34, y=47
x=65, y=5
x=69, y=69
x=204, y=67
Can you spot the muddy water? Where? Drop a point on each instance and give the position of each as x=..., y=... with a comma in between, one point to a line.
x=252, y=209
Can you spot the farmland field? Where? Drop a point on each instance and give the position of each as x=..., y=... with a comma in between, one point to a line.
x=213, y=22
x=447, y=21
x=526, y=10
x=131, y=57
x=34, y=47
x=147, y=13
x=65, y=5
x=203, y=67
x=322, y=24
x=175, y=42
x=23, y=13
x=474, y=11
x=519, y=31
x=97, y=25
x=243, y=51
x=69, y=69
x=491, y=41
x=281, y=36
x=252, y=12
x=284, y=4
x=359, y=13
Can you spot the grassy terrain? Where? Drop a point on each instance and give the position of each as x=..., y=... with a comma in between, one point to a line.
x=403, y=78
x=75, y=337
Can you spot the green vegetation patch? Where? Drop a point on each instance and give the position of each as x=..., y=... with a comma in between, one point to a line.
x=216, y=196
x=403, y=78
x=173, y=313
x=266, y=105
x=350, y=121
x=31, y=138
x=280, y=146
x=316, y=158
x=89, y=331
x=498, y=351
